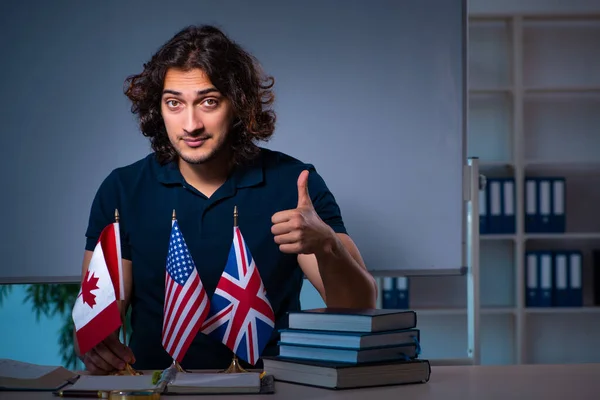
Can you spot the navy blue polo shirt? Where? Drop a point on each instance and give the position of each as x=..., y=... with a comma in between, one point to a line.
x=145, y=193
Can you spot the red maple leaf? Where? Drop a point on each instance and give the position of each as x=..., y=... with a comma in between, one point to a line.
x=89, y=284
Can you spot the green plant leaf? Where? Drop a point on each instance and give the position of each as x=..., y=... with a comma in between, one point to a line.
x=5, y=290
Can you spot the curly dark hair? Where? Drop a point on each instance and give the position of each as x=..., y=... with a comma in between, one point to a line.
x=233, y=71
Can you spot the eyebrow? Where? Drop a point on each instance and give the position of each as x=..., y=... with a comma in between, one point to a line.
x=199, y=92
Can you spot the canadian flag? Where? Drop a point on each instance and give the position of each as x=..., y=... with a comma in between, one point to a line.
x=96, y=313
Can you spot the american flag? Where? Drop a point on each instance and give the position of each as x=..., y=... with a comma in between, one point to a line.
x=240, y=314
x=186, y=302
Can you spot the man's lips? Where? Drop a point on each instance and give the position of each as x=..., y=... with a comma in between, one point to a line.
x=195, y=141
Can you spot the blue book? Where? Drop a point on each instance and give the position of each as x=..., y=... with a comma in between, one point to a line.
x=404, y=351
x=561, y=293
x=352, y=319
x=348, y=340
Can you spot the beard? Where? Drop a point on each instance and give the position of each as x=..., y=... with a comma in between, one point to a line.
x=202, y=155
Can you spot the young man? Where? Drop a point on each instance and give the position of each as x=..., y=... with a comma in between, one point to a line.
x=203, y=102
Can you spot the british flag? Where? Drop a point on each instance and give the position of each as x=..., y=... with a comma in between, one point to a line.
x=240, y=315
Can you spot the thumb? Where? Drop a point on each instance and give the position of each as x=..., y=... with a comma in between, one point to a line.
x=303, y=196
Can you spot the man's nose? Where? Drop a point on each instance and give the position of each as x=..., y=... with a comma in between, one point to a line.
x=193, y=121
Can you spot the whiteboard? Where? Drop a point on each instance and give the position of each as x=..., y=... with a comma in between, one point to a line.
x=371, y=92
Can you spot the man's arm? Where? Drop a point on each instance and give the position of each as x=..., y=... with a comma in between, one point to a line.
x=339, y=274
x=331, y=261
x=110, y=354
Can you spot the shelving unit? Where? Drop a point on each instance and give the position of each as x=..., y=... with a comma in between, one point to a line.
x=534, y=110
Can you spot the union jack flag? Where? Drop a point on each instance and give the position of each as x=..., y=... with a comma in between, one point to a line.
x=240, y=316
x=186, y=301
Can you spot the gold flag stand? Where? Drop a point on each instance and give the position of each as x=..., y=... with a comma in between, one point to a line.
x=235, y=366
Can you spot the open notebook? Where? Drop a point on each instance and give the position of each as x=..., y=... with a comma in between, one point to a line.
x=183, y=383
x=18, y=375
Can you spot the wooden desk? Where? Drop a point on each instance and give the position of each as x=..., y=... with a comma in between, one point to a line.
x=515, y=382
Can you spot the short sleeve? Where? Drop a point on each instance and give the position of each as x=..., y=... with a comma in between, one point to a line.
x=102, y=213
x=324, y=202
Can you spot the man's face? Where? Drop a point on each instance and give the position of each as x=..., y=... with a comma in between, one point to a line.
x=197, y=117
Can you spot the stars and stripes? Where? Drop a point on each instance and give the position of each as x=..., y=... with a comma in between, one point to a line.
x=186, y=302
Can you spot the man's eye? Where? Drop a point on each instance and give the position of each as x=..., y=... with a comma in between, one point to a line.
x=172, y=103
x=210, y=102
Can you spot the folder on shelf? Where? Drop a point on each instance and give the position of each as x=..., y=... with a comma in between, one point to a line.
x=401, y=292
x=557, y=217
x=561, y=280
x=532, y=291
x=483, y=211
x=545, y=205
x=508, y=206
x=387, y=293
x=531, y=206
x=546, y=281
x=575, y=281
x=495, y=219
x=596, y=274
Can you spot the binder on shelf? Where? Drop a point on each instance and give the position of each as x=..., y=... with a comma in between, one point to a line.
x=498, y=214
x=508, y=206
x=557, y=216
x=495, y=219
x=401, y=292
x=561, y=293
x=575, y=282
x=483, y=213
x=388, y=300
x=545, y=205
x=532, y=224
x=532, y=288
x=546, y=281
x=596, y=273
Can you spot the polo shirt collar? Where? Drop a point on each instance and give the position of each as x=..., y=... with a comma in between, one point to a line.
x=244, y=176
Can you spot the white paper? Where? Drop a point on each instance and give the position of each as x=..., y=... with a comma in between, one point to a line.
x=113, y=382
x=22, y=370
x=246, y=379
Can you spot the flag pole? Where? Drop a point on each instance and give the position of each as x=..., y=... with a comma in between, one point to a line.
x=235, y=366
x=176, y=364
x=123, y=313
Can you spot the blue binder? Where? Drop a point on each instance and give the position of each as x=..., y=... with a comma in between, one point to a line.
x=575, y=263
x=546, y=282
x=508, y=205
x=495, y=219
x=557, y=215
x=545, y=205
x=532, y=287
x=561, y=292
x=532, y=223
x=401, y=294
x=483, y=211
x=388, y=299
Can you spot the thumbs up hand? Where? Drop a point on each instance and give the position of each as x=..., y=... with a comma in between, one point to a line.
x=300, y=230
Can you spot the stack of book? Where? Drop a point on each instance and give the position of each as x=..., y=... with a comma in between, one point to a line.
x=349, y=348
